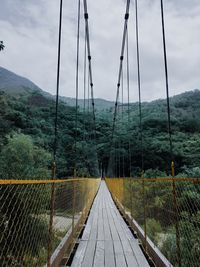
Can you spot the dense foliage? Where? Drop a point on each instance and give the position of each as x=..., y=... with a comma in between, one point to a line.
x=156, y=198
x=34, y=115
x=23, y=207
x=1, y=45
x=27, y=143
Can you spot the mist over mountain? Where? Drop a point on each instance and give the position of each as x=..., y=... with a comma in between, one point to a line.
x=18, y=86
x=14, y=84
x=28, y=109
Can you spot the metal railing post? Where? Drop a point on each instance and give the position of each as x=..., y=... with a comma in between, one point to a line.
x=144, y=212
x=52, y=209
x=176, y=216
x=73, y=204
x=131, y=188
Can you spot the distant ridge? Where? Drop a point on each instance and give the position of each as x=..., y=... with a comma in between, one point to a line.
x=100, y=104
x=18, y=86
x=15, y=84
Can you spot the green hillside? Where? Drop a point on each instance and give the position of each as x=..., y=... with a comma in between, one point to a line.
x=19, y=86
x=16, y=85
x=100, y=104
x=28, y=110
x=185, y=120
x=33, y=116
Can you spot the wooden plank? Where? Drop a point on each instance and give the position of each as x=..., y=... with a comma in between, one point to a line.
x=134, y=245
x=142, y=262
x=91, y=245
x=109, y=254
x=89, y=254
x=93, y=232
x=107, y=241
x=127, y=231
x=100, y=234
x=119, y=228
x=107, y=232
x=109, y=246
x=86, y=252
x=126, y=237
x=78, y=258
x=118, y=250
x=136, y=258
x=99, y=254
x=87, y=230
x=88, y=227
x=119, y=254
x=140, y=258
x=113, y=229
x=129, y=254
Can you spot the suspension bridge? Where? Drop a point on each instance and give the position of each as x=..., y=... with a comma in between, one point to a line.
x=110, y=221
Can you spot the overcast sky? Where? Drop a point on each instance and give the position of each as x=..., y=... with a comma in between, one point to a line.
x=29, y=29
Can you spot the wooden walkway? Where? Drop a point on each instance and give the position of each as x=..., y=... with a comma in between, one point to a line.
x=107, y=240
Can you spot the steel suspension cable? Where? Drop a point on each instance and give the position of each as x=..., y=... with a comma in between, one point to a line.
x=89, y=55
x=77, y=84
x=140, y=121
x=86, y=17
x=119, y=146
x=178, y=249
x=126, y=17
x=139, y=84
x=128, y=92
x=115, y=159
x=88, y=87
x=88, y=97
x=84, y=87
x=52, y=202
x=84, y=99
x=57, y=83
x=166, y=81
x=121, y=61
x=122, y=123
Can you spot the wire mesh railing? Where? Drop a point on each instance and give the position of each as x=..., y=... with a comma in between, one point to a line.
x=168, y=212
x=36, y=216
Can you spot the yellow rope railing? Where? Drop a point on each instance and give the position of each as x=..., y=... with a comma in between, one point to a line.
x=12, y=182
x=25, y=211
x=150, y=202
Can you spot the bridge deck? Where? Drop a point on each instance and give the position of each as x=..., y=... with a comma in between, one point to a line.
x=107, y=240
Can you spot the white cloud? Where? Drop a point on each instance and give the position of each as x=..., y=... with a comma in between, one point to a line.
x=30, y=32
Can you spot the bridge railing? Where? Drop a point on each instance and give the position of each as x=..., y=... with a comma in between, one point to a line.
x=40, y=219
x=165, y=213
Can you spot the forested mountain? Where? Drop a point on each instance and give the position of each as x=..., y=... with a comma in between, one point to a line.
x=185, y=122
x=32, y=116
x=100, y=104
x=27, y=142
x=18, y=86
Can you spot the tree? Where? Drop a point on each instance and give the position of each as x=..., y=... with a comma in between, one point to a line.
x=21, y=159
x=2, y=46
x=23, y=211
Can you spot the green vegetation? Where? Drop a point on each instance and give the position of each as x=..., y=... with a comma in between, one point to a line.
x=161, y=218
x=23, y=207
x=26, y=146
x=100, y=104
x=185, y=117
x=33, y=115
x=2, y=46
x=20, y=159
